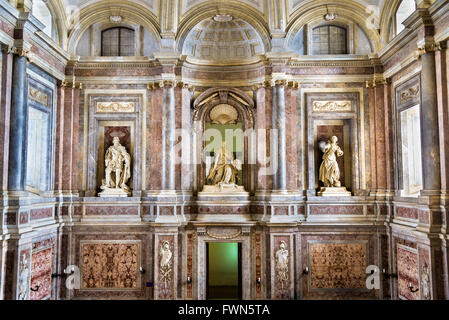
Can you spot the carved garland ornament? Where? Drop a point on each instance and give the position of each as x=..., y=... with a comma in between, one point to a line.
x=223, y=233
x=332, y=106
x=38, y=96
x=115, y=107
x=409, y=94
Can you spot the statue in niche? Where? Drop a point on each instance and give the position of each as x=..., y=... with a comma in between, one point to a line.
x=224, y=170
x=165, y=263
x=281, y=256
x=425, y=282
x=329, y=171
x=117, y=171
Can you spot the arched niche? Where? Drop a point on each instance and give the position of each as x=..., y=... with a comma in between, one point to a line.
x=221, y=102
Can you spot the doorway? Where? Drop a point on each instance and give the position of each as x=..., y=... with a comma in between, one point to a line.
x=224, y=270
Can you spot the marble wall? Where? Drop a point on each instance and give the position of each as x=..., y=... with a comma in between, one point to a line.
x=58, y=116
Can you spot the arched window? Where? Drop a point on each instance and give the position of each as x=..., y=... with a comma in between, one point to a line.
x=329, y=39
x=43, y=14
x=117, y=41
x=405, y=9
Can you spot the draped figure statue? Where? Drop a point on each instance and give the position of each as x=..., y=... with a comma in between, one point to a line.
x=329, y=171
x=117, y=170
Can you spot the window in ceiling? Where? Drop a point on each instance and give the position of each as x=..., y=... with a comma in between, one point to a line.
x=405, y=9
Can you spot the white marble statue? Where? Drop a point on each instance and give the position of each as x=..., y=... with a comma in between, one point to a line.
x=23, y=279
x=329, y=171
x=165, y=263
x=224, y=170
x=117, y=171
x=425, y=282
x=281, y=256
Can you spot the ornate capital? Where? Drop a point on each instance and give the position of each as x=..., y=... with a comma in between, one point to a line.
x=70, y=84
x=185, y=85
x=377, y=81
x=6, y=49
x=428, y=48
x=201, y=231
x=269, y=83
x=167, y=83
x=18, y=51
x=161, y=84
x=293, y=84
x=280, y=82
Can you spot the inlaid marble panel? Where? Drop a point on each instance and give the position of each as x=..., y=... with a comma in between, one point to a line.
x=41, y=266
x=110, y=265
x=407, y=266
x=337, y=265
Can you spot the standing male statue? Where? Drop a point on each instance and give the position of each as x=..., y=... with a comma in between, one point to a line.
x=117, y=171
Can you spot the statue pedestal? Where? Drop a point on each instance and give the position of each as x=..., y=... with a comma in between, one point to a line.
x=334, y=192
x=113, y=192
x=224, y=188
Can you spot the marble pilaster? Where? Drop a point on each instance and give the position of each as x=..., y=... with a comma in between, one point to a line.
x=168, y=136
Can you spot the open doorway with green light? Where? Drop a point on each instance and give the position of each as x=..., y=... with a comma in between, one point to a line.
x=224, y=270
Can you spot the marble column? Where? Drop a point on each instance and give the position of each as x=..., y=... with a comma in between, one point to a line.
x=274, y=139
x=282, y=150
x=18, y=125
x=168, y=136
x=429, y=120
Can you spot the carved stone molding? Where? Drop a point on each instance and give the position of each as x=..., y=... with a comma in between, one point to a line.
x=221, y=233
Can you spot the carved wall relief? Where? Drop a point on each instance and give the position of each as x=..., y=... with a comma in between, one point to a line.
x=282, y=257
x=115, y=107
x=38, y=96
x=409, y=94
x=165, y=267
x=223, y=233
x=165, y=264
x=332, y=106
